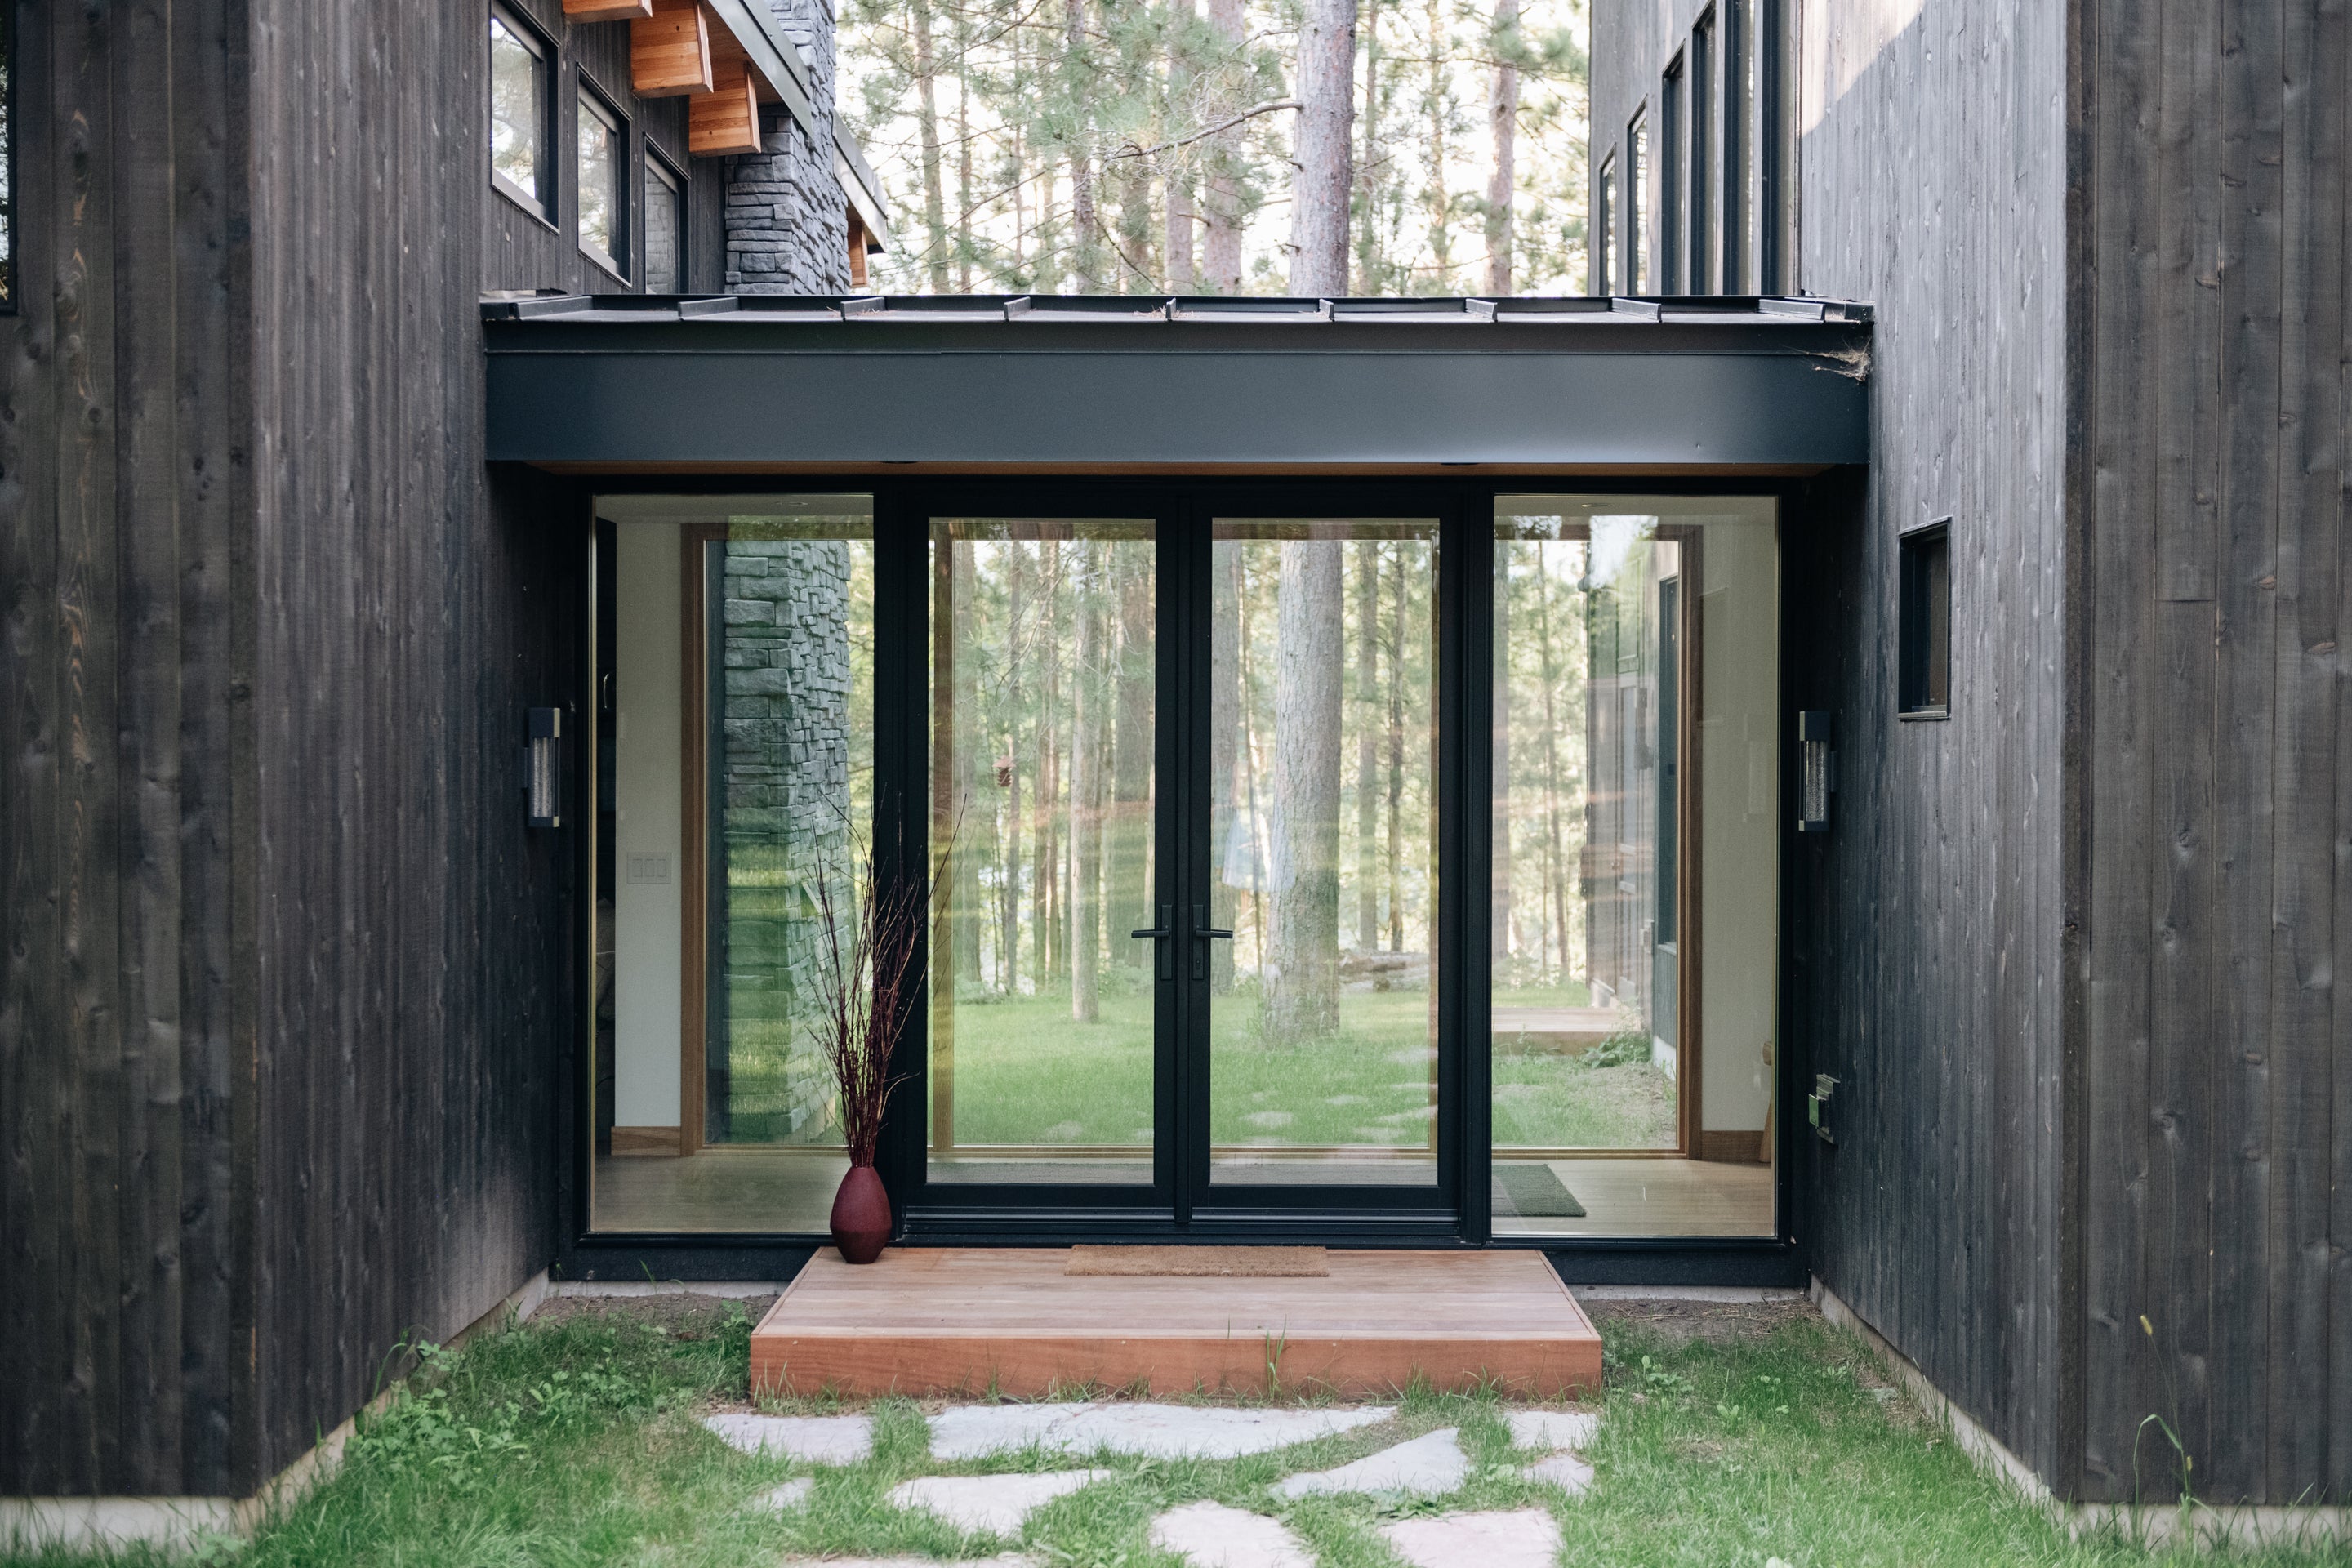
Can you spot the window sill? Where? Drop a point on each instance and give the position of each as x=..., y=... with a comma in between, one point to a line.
x=522, y=202
x=1924, y=715
x=605, y=265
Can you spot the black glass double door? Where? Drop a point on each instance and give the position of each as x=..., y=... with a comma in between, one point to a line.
x=1186, y=764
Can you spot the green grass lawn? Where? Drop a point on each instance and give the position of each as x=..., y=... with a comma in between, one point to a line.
x=577, y=1443
x=1026, y=1073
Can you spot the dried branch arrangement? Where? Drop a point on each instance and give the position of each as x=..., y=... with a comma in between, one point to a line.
x=866, y=983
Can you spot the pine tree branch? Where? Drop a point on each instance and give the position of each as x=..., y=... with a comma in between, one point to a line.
x=1251, y=112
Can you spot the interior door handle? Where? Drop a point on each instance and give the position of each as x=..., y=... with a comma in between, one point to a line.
x=1203, y=931
x=1160, y=932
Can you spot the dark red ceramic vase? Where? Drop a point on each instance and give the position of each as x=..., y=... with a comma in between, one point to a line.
x=861, y=1215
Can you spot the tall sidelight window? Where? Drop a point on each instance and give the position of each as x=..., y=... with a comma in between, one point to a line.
x=601, y=170
x=7, y=159
x=1604, y=249
x=665, y=225
x=734, y=739
x=1739, y=139
x=1703, y=169
x=1638, y=273
x=522, y=103
x=1924, y=670
x=1633, y=894
x=1673, y=192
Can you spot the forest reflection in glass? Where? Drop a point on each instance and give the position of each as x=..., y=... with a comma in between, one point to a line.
x=1584, y=831
x=1043, y=714
x=1323, y=1042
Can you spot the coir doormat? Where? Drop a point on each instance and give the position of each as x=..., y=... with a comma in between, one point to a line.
x=1529, y=1190
x=1198, y=1262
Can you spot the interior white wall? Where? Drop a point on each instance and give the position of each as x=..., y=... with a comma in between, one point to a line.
x=648, y=789
x=1740, y=795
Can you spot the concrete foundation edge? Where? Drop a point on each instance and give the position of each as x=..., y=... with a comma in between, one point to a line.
x=2151, y=1524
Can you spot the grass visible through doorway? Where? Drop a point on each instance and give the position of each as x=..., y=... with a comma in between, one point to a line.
x=578, y=1442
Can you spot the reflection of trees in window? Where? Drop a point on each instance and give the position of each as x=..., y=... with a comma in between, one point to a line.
x=601, y=161
x=518, y=100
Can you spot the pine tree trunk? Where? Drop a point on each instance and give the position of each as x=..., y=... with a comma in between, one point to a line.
x=1368, y=771
x=1441, y=232
x=1047, y=794
x=926, y=117
x=963, y=158
x=1396, y=760
x=1322, y=149
x=1555, y=858
x=1369, y=266
x=1221, y=246
x=1129, y=901
x=1085, y=229
x=1178, y=203
x=1503, y=123
x=1089, y=695
x=1009, y=924
x=1498, y=905
x=967, y=734
x=1224, y=738
x=1302, y=998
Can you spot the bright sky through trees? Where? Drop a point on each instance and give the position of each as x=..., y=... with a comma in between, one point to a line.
x=1146, y=146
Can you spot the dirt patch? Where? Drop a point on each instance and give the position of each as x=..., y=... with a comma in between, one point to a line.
x=680, y=1314
x=1681, y=1322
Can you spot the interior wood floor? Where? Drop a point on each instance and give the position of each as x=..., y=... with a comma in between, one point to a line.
x=771, y=1189
x=1665, y=1196
x=966, y=1319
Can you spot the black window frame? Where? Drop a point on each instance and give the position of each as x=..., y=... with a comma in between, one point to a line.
x=1924, y=621
x=1705, y=173
x=546, y=206
x=588, y=97
x=658, y=165
x=1674, y=227
x=1642, y=155
x=1606, y=199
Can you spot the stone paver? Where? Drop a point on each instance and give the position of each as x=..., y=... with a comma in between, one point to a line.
x=1429, y=1465
x=1544, y=1430
x=1154, y=1431
x=784, y=1499
x=1212, y=1535
x=1564, y=1470
x=1523, y=1538
x=812, y=1439
x=990, y=1505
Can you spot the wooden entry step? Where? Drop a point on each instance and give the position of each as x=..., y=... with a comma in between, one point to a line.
x=963, y=1320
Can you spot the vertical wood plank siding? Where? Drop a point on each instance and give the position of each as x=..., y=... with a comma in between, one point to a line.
x=121, y=654
x=287, y=993
x=1927, y=942
x=2217, y=1055
x=417, y=976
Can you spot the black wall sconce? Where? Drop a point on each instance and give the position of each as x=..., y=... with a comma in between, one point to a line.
x=543, y=761
x=1816, y=768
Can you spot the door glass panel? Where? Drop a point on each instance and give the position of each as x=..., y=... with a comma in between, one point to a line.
x=1043, y=724
x=1323, y=726
x=735, y=746
x=1633, y=899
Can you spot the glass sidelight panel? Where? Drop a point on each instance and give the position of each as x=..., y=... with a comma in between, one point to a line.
x=1043, y=726
x=1323, y=725
x=735, y=744
x=1633, y=901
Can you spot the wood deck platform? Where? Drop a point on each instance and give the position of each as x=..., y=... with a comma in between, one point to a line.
x=926, y=1321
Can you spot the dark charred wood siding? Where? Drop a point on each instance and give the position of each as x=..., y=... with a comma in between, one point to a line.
x=2209, y=336
x=126, y=646
x=417, y=975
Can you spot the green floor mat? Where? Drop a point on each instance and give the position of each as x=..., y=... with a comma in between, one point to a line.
x=1530, y=1191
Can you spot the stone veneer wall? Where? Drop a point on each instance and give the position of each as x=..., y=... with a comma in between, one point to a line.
x=787, y=219
x=786, y=718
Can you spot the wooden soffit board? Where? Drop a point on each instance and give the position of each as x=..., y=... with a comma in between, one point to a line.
x=775, y=385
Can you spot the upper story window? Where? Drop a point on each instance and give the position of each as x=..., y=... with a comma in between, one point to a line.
x=1637, y=212
x=1604, y=248
x=1673, y=192
x=604, y=162
x=522, y=98
x=665, y=208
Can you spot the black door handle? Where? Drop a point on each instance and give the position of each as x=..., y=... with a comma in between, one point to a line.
x=1203, y=931
x=1165, y=928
